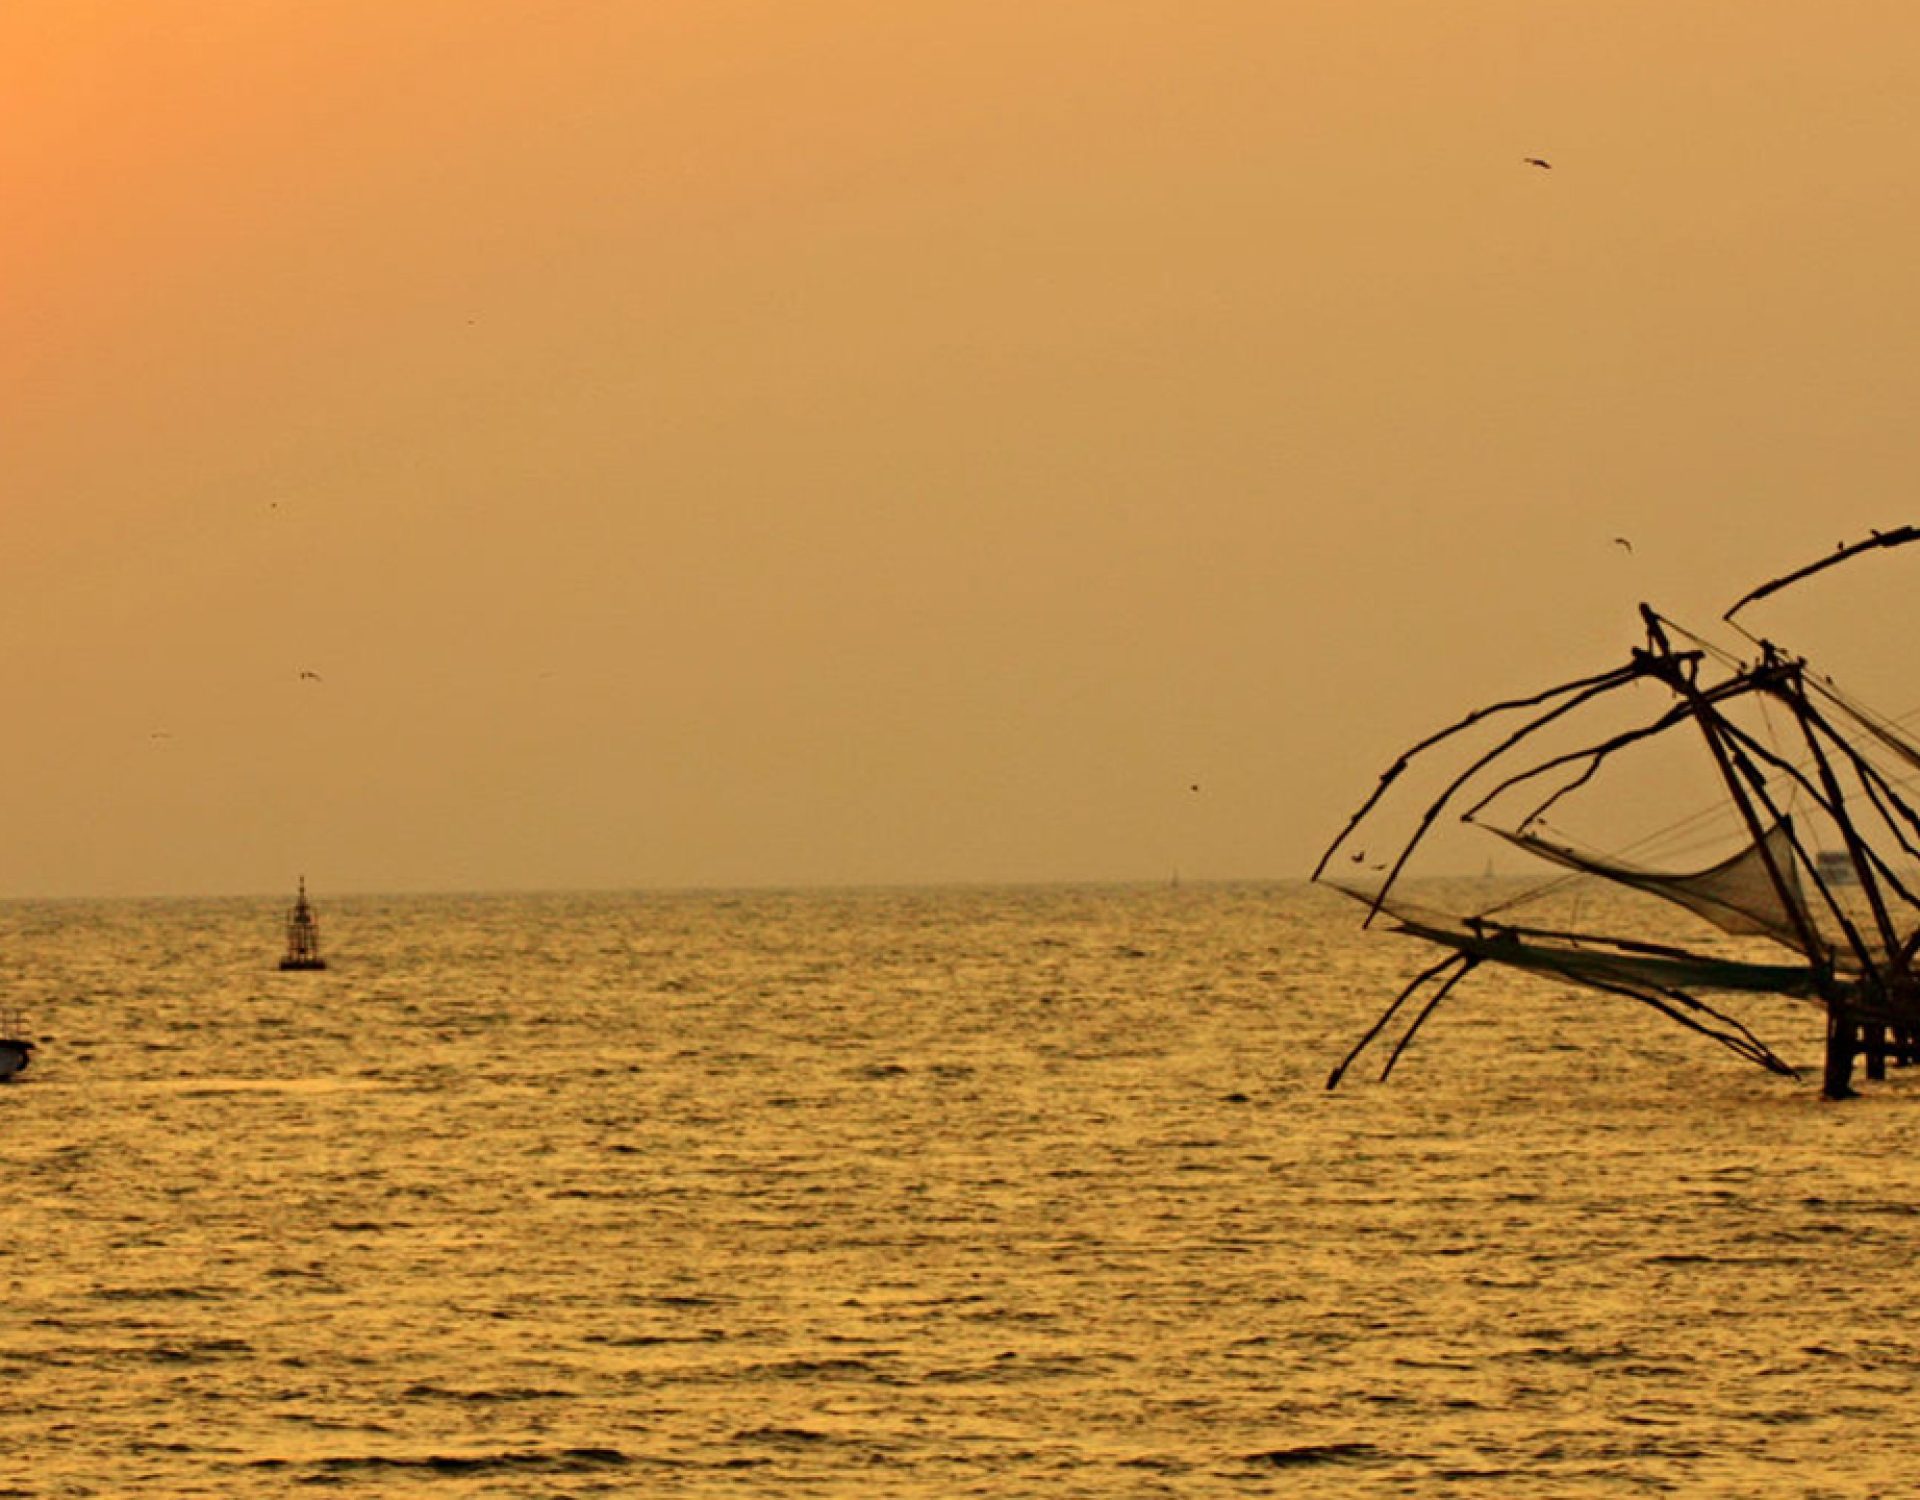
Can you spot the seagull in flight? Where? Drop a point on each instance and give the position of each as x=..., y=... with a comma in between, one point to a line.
x=1621, y=541
x=306, y=676
x=1538, y=161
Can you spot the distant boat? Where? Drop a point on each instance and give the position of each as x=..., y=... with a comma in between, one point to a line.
x=15, y=1050
x=15, y=1053
x=303, y=935
x=1835, y=866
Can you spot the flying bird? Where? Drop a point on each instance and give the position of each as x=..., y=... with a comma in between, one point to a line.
x=1621, y=541
x=306, y=676
x=1538, y=161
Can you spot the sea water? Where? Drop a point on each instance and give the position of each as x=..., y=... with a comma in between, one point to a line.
x=1021, y=1192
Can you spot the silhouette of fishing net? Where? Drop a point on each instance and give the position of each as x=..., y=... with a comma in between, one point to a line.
x=1669, y=979
x=1739, y=895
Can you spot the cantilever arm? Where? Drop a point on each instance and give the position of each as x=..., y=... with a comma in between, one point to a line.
x=1607, y=679
x=1465, y=961
x=1594, y=754
x=1433, y=1002
x=1896, y=538
x=1593, y=688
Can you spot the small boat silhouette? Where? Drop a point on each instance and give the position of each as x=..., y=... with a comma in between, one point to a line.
x=15, y=1050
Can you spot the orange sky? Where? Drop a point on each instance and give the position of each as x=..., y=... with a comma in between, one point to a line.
x=749, y=442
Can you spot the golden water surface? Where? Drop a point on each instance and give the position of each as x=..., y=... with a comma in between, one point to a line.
x=915, y=1193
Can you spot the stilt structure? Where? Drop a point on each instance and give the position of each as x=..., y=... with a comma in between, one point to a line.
x=303, y=935
x=1819, y=803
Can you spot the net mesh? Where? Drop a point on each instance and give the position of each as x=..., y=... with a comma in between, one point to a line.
x=1739, y=895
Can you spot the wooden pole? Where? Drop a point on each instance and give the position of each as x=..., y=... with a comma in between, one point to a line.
x=1843, y=1040
x=1843, y=1029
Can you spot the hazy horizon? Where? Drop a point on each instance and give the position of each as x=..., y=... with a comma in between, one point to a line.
x=461, y=447
x=320, y=899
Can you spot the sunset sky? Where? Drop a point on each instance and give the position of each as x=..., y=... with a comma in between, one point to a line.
x=744, y=442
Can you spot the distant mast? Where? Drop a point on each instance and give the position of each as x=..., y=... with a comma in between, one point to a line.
x=303, y=935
